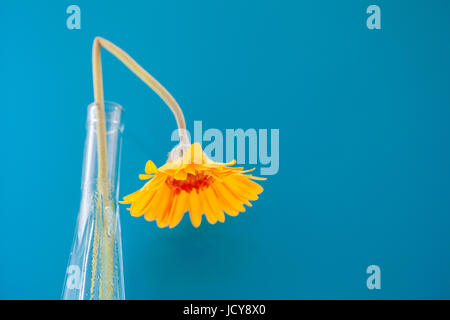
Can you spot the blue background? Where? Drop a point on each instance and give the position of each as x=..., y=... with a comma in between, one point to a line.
x=364, y=144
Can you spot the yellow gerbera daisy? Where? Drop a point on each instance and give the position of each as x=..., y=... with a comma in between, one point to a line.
x=190, y=181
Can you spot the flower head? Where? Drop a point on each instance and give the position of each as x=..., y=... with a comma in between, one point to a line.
x=190, y=181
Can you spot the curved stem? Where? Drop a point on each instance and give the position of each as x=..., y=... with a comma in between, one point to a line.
x=99, y=100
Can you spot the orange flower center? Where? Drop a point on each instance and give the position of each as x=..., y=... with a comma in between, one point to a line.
x=193, y=181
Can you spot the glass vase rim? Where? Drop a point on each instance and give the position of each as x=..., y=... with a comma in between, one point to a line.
x=110, y=106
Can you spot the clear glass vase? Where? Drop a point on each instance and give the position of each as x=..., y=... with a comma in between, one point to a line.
x=95, y=269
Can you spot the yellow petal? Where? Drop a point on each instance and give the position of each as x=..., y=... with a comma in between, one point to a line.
x=241, y=189
x=194, y=154
x=238, y=195
x=171, y=165
x=225, y=206
x=194, y=209
x=229, y=197
x=163, y=220
x=180, y=175
x=131, y=197
x=181, y=208
x=155, y=183
x=145, y=176
x=214, y=204
x=152, y=211
x=168, y=218
x=256, y=178
x=249, y=183
x=150, y=167
x=206, y=209
x=145, y=197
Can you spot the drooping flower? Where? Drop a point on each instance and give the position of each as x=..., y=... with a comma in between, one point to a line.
x=190, y=181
